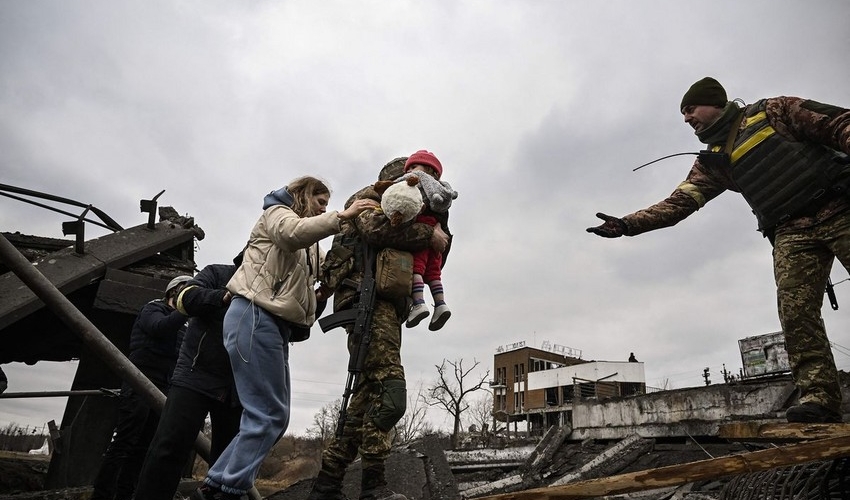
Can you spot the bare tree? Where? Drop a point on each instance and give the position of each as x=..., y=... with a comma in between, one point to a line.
x=324, y=422
x=449, y=392
x=413, y=424
x=481, y=411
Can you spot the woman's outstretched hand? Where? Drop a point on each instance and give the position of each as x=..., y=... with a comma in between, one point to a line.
x=357, y=207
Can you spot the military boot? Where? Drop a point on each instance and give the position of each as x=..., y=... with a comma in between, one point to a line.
x=812, y=413
x=374, y=485
x=326, y=487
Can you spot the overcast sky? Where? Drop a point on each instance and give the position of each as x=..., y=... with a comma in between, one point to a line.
x=538, y=111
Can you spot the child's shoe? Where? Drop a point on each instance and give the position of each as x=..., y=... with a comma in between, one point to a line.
x=441, y=315
x=418, y=313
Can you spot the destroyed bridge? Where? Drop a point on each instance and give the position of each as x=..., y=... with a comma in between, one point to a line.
x=66, y=299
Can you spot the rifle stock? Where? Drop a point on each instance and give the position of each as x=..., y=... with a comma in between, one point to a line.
x=361, y=316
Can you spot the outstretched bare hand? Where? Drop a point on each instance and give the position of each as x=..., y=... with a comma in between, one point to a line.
x=357, y=207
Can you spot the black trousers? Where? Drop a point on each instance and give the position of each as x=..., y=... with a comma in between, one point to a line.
x=182, y=418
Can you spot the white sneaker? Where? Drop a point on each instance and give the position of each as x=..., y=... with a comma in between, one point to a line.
x=441, y=315
x=417, y=314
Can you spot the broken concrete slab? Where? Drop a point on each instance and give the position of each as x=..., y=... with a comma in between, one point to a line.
x=610, y=461
x=694, y=411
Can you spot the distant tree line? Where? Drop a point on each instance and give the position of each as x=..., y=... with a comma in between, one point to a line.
x=13, y=437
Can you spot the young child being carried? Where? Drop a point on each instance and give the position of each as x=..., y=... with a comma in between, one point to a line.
x=427, y=264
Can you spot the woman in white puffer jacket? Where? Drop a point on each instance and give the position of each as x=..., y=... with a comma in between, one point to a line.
x=273, y=292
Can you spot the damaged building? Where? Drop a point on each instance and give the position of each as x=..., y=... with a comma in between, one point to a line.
x=538, y=386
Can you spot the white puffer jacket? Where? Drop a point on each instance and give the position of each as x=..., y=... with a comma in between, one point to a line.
x=281, y=261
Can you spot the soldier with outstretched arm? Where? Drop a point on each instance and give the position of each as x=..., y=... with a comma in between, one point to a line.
x=788, y=157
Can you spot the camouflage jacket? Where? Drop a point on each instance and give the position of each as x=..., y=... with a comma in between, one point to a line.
x=793, y=118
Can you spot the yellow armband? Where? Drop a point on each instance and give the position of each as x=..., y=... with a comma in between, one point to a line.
x=692, y=191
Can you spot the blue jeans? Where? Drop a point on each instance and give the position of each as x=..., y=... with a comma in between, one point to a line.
x=258, y=345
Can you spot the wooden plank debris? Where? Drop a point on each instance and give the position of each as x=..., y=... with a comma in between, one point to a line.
x=716, y=468
x=780, y=432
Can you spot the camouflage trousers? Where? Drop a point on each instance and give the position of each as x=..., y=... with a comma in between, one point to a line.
x=802, y=260
x=382, y=363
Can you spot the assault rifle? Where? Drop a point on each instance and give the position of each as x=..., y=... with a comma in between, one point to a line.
x=361, y=316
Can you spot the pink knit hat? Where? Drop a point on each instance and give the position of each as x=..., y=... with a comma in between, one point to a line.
x=423, y=157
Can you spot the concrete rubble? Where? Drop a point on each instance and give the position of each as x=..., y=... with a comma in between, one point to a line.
x=617, y=437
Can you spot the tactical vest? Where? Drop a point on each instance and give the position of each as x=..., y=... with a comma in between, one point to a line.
x=778, y=177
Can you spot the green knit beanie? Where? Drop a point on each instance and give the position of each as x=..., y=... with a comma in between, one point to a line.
x=707, y=91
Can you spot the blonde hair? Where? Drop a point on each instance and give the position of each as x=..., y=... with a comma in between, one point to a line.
x=303, y=189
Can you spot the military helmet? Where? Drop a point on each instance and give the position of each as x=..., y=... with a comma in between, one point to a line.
x=393, y=169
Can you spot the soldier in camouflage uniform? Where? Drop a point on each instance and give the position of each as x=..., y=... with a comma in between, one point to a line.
x=379, y=399
x=788, y=157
